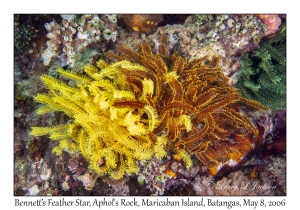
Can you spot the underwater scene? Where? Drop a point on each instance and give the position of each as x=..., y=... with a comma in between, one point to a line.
x=150, y=104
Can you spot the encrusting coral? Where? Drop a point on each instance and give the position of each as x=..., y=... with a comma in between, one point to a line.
x=272, y=21
x=142, y=105
x=74, y=34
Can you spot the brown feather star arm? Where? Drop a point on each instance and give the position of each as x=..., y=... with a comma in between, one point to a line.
x=203, y=99
x=196, y=63
x=146, y=49
x=226, y=100
x=147, y=60
x=156, y=63
x=135, y=84
x=211, y=157
x=161, y=128
x=194, y=89
x=178, y=105
x=200, y=131
x=163, y=52
x=253, y=104
x=175, y=85
x=112, y=56
x=239, y=120
x=178, y=65
x=129, y=54
x=148, y=75
x=162, y=48
x=172, y=129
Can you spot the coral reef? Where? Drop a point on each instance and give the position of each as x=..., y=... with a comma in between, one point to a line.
x=263, y=73
x=37, y=148
x=76, y=33
x=188, y=173
x=235, y=32
x=225, y=36
x=29, y=40
x=88, y=179
x=275, y=169
x=236, y=184
x=272, y=21
x=202, y=185
x=119, y=187
x=250, y=147
x=152, y=174
x=24, y=34
x=276, y=143
x=35, y=178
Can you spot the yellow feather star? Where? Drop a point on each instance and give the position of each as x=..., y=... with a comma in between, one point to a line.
x=102, y=138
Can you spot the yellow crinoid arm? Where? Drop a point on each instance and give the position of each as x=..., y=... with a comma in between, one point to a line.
x=131, y=166
x=148, y=90
x=48, y=101
x=152, y=117
x=74, y=76
x=91, y=71
x=143, y=154
x=45, y=109
x=159, y=147
x=126, y=140
x=100, y=85
x=134, y=126
x=171, y=76
x=118, y=94
x=71, y=108
x=110, y=72
x=41, y=131
x=185, y=156
x=129, y=66
x=101, y=64
x=120, y=171
x=55, y=84
x=65, y=145
x=186, y=121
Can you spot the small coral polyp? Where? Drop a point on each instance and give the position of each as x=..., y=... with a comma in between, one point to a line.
x=143, y=105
